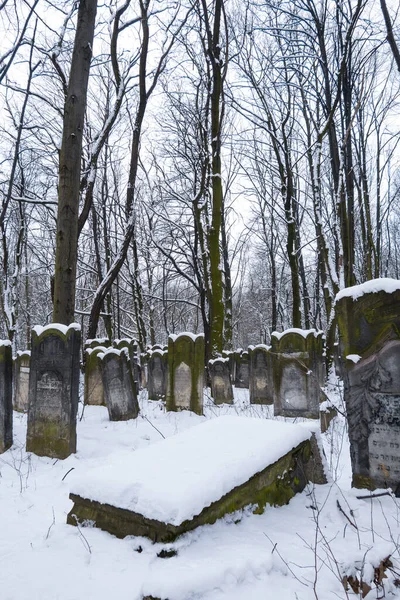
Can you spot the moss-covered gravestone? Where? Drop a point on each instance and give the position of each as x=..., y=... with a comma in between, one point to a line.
x=119, y=387
x=297, y=372
x=21, y=380
x=157, y=372
x=6, y=370
x=242, y=369
x=94, y=389
x=220, y=378
x=368, y=318
x=260, y=384
x=194, y=478
x=53, y=390
x=185, y=372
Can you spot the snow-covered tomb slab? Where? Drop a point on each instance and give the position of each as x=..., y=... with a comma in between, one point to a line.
x=194, y=478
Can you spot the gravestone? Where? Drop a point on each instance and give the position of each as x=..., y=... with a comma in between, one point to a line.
x=6, y=414
x=21, y=381
x=185, y=372
x=132, y=347
x=157, y=371
x=221, y=385
x=95, y=342
x=242, y=369
x=368, y=317
x=53, y=390
x=93, y=387
x=260, y=375
x=119, y=387
x=297, y=368
x=231, y=358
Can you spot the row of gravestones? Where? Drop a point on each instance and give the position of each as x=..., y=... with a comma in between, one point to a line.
x=369, y=326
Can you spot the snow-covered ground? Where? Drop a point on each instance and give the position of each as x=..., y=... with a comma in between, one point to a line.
x=298, y=552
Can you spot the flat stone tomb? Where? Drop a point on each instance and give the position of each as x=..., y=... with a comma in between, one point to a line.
x=185, y=372
x=119, y=387
x=53, y=390
x=193, y=478
x=297, y=372
x=260, y=384
x=93, y=388
x=21, y=380
x=6, y=414
x=157, y=371
x=221, y=385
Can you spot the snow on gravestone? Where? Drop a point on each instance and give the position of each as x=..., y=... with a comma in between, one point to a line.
x=194, y=478
x=221, y=385
x=6, y=369
x=260, y=377
x=131, y=346
x=119, y=386
x=242, y=369
x=93, y=386
x=297, y=372
x=157, y=371
x=368, y=317
x=185, y=372
x=21, y=380
x=53, y=390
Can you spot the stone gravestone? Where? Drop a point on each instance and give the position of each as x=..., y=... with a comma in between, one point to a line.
x=119, y=387
x=6, y=370
x=21, y=380
x=221, y=385
x=132, y=347
x=242, y=369
x=368, y=317
x=53, y=390
x=297, y=372
x=231, y=358
x=185, y=372
x=260, y=384
x=96, y=342
x=157, y=370
x=94, y=390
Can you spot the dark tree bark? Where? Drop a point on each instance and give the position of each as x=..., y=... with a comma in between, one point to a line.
x=70, y=166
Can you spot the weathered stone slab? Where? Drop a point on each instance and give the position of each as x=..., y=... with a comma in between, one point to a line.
x=232, y=365
x=242, y=369
x=185, y=372
x=119, y=387
x=53, y=390
x=131, y=346
x=233, y=464
x=368, y=316
x=6, y=371
x=21, y=381
x=220, y=378
x=261, y=388
x=297, y=372
x=95, y=342
x=157, y=374
x=93, y=387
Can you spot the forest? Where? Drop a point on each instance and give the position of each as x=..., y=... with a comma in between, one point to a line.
x=217, y=166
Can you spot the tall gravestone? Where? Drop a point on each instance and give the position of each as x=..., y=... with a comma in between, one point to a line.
x=185, y=372
x=297, y=372
x=220, y=378
x=53, y=390
x=119, y=387
x=242, y=369
x=131, y=346
x=368, y=318
x=93, y=387
x=157, y=372
x=260, y=384
x=21, y=380
x=6, y=370
x=231, y=359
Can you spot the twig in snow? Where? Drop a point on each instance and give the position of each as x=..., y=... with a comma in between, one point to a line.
x=347, y=517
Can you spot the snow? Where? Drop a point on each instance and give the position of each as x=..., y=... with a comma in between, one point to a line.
x=189, y=334
x=23, y=352
x=38, y=329
x=382, y=284
x=284, y=553
x=173, y=480
x=353, y=358
x=303, y=332
x=5, y=343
